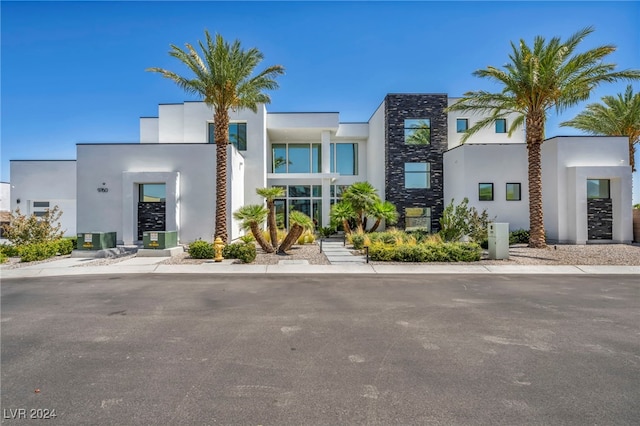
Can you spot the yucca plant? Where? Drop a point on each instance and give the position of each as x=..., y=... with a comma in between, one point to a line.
x=252, y=217
x=270, y=195
x=299, y=222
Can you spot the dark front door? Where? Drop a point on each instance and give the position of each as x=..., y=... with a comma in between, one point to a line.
x=152, y=208
x=599, y=210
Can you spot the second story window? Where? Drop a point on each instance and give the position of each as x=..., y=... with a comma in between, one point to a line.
x=462, y=124
x=344, y=158
x=417, y=131
x=501, y=125
x=296, y=158
x=237, y=135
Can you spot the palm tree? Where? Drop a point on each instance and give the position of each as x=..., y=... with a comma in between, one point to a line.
x=342, y=212
x=619, y=116
x=361, y=196
x=223, y=77
x=299, y=222
x=270, y=194
x=383, y=210
x=549, y=74
x=252, y=216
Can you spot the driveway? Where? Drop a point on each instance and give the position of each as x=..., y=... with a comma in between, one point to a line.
x=338, y=349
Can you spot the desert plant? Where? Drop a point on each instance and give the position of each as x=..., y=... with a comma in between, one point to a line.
x=270, y=195
x=201, y=250
x=342, y=212
x=247, y=238
x=307, y=237
x=454, y=221
x=252, y=216
x=299, y=223
x=25, y=229
x=326, y=231
x=361, y=196
x=383, y=210
x=241, y=251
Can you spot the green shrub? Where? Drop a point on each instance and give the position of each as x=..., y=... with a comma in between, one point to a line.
x=3, y=257
x=326, y=231
x=357, y=240
x=9, y=250
x=65, y=246
x=458, y=221
x=74, y=242
x=520, y=236
x=428, y=252
x=38, y=251
x=201, y=250
x=244, y=252
x=31, y=229
x=247, y=238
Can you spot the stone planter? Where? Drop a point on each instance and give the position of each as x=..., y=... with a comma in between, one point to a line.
x=636, y=225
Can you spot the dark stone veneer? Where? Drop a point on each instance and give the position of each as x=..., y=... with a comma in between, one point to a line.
x=399, y=107
x=600, y=218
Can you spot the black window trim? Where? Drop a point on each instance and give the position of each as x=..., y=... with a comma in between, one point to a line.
x=492, y=191
x=506, y=194
x=466, y=127
x=505, y=125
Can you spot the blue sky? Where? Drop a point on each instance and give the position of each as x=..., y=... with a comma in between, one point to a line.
x=75, y=71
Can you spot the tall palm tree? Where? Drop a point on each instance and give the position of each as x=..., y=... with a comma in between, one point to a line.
x=383, y=210
x=361, y=196
x=548, y=74
x=223, y=76
x=615, y=116
x=270, y=194
x=252, y=217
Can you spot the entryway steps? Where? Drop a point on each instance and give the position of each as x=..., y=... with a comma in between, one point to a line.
x=338, y=254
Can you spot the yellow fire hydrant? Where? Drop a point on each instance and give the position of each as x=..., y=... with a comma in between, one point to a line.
x=218, y=245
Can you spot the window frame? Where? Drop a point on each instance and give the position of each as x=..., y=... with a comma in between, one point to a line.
x=501, y=120
x=599, y=192
x=506, y=196
x=480, y=191
x=333, y=158
x=428, y=216
x=315, y=157
x=211, y=134
x=466, y=126
x=426, y=172
x=405, y=128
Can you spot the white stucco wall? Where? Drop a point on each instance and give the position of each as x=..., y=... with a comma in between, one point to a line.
x=171, y=123
x=149, y=129
x=5, y=196
x=236, y=175
x=191, y=168
x=53, y=181
x=466, y=166
x=567, y=163
x=486, y=135
x=375, y=157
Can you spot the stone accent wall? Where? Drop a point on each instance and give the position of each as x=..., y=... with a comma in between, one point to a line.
x=600, y=218
x=399, y=107
x=151, y=217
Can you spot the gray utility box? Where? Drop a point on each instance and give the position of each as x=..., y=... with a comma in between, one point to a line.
x=96, y=240
x=498, y=240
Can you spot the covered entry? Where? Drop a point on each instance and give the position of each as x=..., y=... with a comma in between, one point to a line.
x=152, y=208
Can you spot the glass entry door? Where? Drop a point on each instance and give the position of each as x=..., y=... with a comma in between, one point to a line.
x=152, y=208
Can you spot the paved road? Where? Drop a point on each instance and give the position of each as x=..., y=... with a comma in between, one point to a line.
x=292, y=350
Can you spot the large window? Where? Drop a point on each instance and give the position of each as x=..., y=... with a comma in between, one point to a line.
x=598, y=188
x=513, y=192
x=417, y=131
x=296, y=158
x=501, y=125
x=417, y=218
x=417, y=175
x=344, y=158
x=485, y=191
x=462, y=124
x=304, y=198
x=237, y=135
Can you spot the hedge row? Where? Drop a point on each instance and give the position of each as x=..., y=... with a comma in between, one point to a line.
x=426, y=252
x=37, y=251
x=246, y=252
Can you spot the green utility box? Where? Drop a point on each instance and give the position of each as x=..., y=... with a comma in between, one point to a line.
x=96, y=240
x=160, y=239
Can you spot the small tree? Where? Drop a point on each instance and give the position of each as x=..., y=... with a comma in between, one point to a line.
x=270, y=195
x=342, y=212
x=31, y=229
x=361, y=196
x=458, y=221
x=252, y=216
x=299, y=222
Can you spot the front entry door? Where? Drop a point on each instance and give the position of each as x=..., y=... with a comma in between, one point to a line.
x=599, y=209
x=152, y=208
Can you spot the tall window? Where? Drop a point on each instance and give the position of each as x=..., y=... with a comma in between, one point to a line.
x=513, y=192
x=344, y=158
x=304, y=198
x=417, y=175
x=501, y=125
x=598, y=188
x=417, y=218
x=237, y=135
x=296, y=158
x=462, y=124
x=417, y=131
x=485, y=191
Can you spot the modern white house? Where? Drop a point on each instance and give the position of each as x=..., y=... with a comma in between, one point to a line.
x=409, y=150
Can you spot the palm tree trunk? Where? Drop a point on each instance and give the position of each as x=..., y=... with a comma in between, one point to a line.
x=221, y=136
x=262, y=242
x=271, y=224
x=291, y=238
x=345, y=225
x=632, y=154
x=375, y=225
x=535, y=135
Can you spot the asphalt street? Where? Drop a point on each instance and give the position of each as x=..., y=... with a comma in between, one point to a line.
x=311, y=349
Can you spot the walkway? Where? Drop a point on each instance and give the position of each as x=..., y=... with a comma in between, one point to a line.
x=338, y=254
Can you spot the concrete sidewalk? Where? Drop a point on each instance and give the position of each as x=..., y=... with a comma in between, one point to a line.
x=150, y=265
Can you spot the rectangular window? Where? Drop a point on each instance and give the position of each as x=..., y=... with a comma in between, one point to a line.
x=153, y=192
x=279, y=156
x=462, y=124
x=297, y=191
x=417, y=218
x=237, y=135
x=485, y=192
x=41, y=204
x=296, y=158
x=417, y=131
x=316, y=191
x=513, y=192
x=337, y=190
x=501, y=125
x=598, y=188
x=316, y=158
x=417, y=175
x=344, y=158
